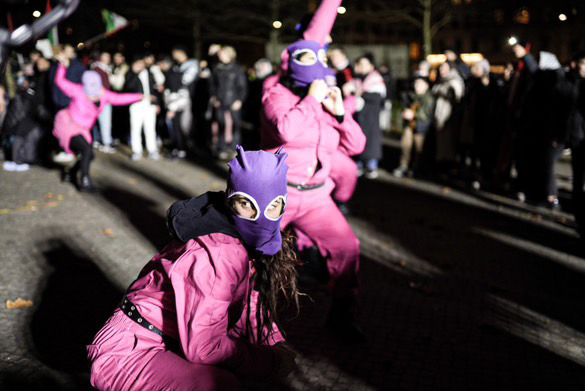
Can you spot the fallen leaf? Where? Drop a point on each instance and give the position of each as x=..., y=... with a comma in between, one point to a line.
x=132, y=181
x=50, y=196
x=52, y=204
x=217, y=185
x=33, y=202
x=4, y=211
x=18, y=303
x=107, y=232
x=60, y=197
x=25, y=209
x=446, y=190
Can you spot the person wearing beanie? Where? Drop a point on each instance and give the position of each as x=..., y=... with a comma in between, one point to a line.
x=308, y=118
x=202, y=314
x=73, y=125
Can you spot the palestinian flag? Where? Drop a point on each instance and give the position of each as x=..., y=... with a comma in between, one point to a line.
x=114, y=22
x=53, y=33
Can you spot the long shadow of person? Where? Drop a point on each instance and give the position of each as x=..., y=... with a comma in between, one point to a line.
x=489, y=308
x=141, y=212
x=73, y=305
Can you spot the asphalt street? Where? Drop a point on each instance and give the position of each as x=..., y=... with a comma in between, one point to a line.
x=461, y=289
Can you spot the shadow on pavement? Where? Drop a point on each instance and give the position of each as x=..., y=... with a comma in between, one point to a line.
x=74, y=303
x=24, y=381
x=171, y=190
x=141, y=213
x=443, y=329
x=424, y=334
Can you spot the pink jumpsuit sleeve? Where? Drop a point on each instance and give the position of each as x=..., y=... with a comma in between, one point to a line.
x=322, y=22
x=289, y=120
x=117, y=99
x=203, y=297
x=352, y=139
x=68, y=87
x=350, y=104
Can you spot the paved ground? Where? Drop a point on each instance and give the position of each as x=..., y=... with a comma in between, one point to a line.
x=461, y=291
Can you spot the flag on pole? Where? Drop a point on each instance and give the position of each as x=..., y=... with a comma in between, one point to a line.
x=53, y=33
x=114, y=22
x=10, y=25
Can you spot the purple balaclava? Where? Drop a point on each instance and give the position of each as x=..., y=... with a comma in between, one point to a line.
x=304, y=74
x=260, y=177
x=92, y=83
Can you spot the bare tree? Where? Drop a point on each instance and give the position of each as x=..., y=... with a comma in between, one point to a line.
x=427, y=15
x=226, y=20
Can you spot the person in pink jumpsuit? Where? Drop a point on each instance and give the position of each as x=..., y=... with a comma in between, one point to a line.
x=344, y=171
x=306, y=117
x=202, y=313
x=73, y=125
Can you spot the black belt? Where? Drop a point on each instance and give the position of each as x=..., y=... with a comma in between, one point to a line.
x=305, y=187
x=131, y=311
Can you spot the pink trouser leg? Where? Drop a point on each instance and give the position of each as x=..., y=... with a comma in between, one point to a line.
x=303, y=241
x=315, y=214
x=344, y=174
x=167, y=371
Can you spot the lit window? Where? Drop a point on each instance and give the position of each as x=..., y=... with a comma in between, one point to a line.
x=523, y=16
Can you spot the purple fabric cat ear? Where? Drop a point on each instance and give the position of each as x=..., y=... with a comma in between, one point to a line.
x=241, y=156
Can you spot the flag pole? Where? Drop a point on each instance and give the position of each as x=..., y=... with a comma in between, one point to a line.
x=101, y=36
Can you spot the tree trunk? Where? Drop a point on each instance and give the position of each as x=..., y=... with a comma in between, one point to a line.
x=274, y=33
x=197, y=36
x=427, y=36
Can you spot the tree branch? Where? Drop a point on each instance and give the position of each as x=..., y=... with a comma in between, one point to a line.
x=440, y=24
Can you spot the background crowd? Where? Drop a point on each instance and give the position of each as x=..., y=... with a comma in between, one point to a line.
x=501, y=132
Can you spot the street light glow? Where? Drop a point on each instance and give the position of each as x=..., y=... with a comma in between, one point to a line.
x=341, y=10
x=562, y=17
x=36, y=14
x=512, y=41
x=277, y=24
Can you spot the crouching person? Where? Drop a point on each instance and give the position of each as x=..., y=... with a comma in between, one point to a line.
x=202, y=313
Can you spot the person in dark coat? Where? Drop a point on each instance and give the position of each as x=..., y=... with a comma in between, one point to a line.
x=462, y=68
x=483, y=121
x=545, y=119
x=574, y=137
x=228, y=89
x=370, y=92
x=74, y=73
x=253, y=105
x=29, y=119
x=520, y=136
